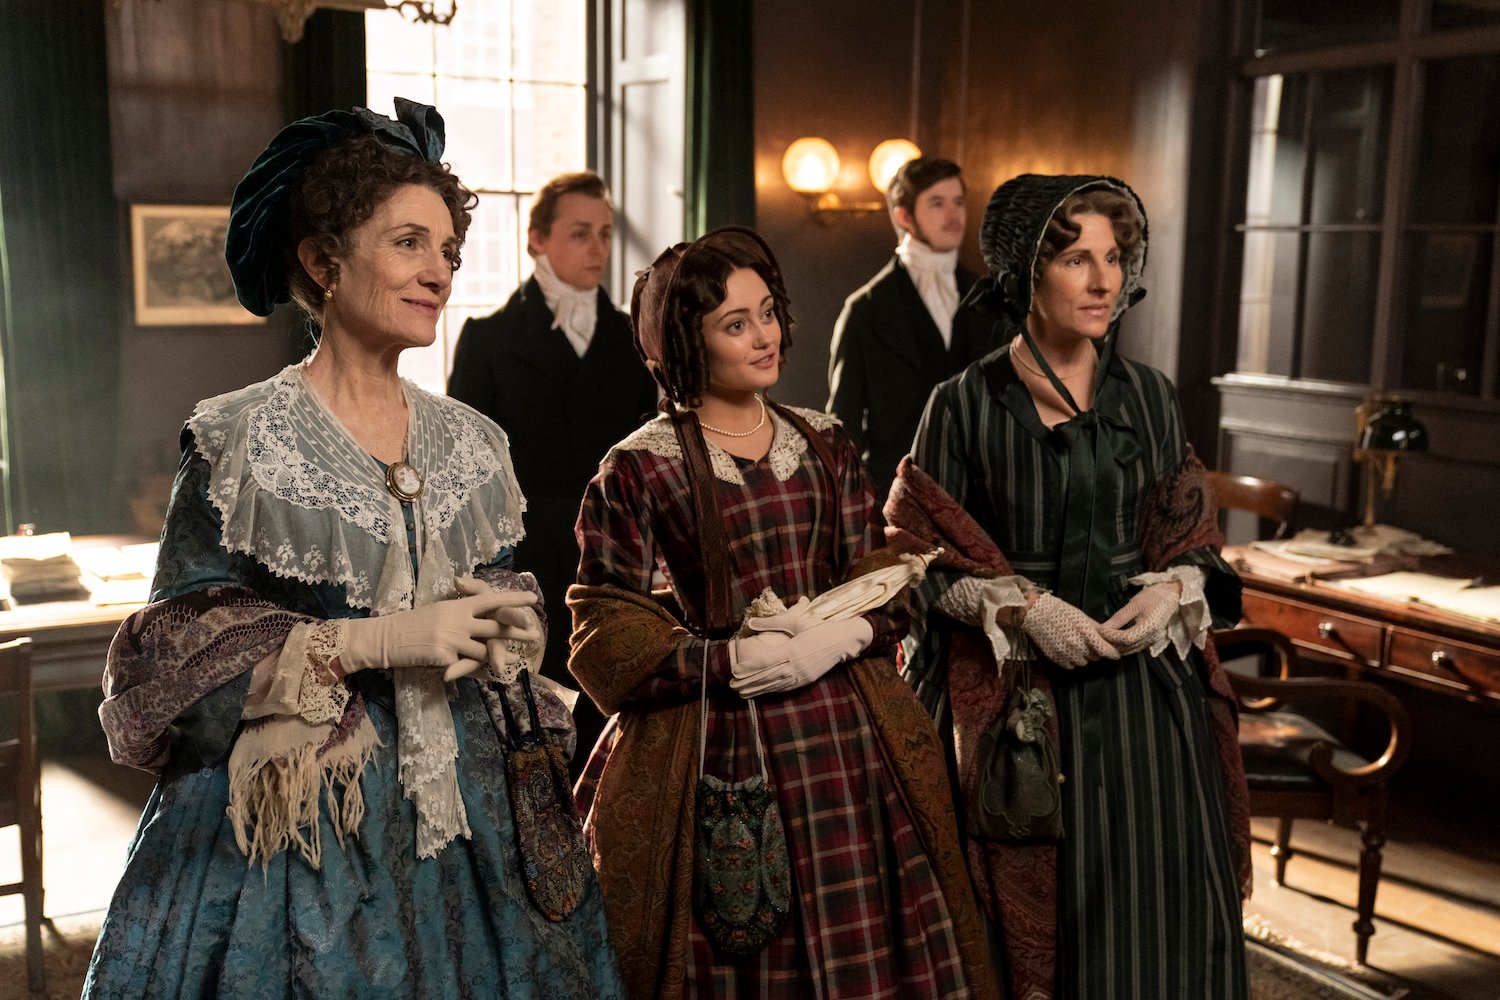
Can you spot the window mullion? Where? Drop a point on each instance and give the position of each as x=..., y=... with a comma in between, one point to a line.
x=1304, y=219
x=1406, y=95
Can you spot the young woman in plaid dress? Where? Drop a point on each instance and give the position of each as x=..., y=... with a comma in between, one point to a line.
x=880, y=904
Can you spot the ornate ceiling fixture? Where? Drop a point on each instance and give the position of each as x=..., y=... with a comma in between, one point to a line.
x=292, y=15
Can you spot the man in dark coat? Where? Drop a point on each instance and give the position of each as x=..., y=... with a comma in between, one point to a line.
x=904, y=332
x=558, y=371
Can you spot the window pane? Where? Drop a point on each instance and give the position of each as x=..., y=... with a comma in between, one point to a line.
x=1338, y=315
x=477, y=43
x=1447, y=14
x=394, y=45
x=477, y=114
x=1342, y=120
x=489, y=273
x=551, y=43
x=1268, y=302
x=1277, y=152
x=1302, y=24
x=1446, y=292
x=381, y=90
x=550, y=132
x=1458, y=144
x=1348, y=137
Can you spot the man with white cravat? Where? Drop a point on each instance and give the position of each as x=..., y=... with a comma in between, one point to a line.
x=557, y=369
x=903, y=332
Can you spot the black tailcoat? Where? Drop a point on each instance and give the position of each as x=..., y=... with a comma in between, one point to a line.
x=887, y=356
x=562, y=413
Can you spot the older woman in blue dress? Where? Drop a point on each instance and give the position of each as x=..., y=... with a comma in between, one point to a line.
x=331, y=680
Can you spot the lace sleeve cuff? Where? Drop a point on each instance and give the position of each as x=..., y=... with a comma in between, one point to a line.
x=1189, y=626
x=976, y=601
x=302, y=682
x=509, y=657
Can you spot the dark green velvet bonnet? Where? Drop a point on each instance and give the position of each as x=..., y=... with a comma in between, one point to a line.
x=259, y=216
x=1011, y=234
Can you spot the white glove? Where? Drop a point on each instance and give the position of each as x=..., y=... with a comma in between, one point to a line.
x=1065, y=635
x=773, y=661
x=520, y=639
x=793, y=621
x=449, y=634
x=1144, y=618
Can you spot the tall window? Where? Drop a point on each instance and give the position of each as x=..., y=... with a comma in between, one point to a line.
x=1372, y=201
x=509, y=78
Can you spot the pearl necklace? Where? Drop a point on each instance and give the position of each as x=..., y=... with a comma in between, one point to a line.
x=739, y=434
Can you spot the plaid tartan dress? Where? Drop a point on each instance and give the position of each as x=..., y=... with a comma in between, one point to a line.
x=869, y=917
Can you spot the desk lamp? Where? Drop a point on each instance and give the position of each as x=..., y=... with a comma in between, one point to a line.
x=1384, y=430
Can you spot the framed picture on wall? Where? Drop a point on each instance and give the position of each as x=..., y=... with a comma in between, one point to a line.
x=181, y=279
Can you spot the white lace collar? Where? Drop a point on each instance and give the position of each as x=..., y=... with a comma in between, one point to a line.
x=787, y=445
x=298, y=493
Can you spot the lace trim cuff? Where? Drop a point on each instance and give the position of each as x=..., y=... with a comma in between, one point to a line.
x=977, y=601
x=1189, y=626
x=508, y=657
x=302, y=682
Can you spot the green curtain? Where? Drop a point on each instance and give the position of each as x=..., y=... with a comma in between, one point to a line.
x=721, y=103
x=326, y=69
x=61, y=283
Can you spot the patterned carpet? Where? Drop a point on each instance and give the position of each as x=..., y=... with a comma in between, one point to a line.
x=1277, y=970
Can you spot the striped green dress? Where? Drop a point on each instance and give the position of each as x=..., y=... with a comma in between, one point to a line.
x=1148, y=902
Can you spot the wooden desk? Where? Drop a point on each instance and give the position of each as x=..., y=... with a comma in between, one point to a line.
x=69, y=640
x=1456, y=656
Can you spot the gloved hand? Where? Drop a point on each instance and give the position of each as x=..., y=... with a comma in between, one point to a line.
x=793, y=621
x=449, y=634
x=1065, y=635
x=773, y=661
x=520, y=632
x=1144, y=618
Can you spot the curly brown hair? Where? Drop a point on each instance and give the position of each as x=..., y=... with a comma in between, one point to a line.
x=1062, y=232
x=685, y=284
x=341, y=190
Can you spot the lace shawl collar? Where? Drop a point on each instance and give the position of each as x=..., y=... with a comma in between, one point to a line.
x=787, y=445
x=297, y=493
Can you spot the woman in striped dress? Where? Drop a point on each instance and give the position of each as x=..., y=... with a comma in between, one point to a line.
x=1094, y=565
x=880, y=903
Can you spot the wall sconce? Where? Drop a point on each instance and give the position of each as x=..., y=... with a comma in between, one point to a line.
x=1384, y=430
x=811, y=166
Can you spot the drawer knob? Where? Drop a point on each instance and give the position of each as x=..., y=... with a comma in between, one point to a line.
x=1327, y=630
x=1439, y=658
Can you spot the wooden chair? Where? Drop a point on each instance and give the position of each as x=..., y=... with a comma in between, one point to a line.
x=1298, y=770
x=1267, y=500
x=21, y=798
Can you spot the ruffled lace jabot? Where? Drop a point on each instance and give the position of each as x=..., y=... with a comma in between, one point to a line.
x=297, y=493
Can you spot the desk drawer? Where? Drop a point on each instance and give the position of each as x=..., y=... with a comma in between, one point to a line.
x=1318, y=630
x=1458, y=663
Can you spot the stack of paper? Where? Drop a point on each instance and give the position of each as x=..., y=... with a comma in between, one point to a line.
x=1452, y=594
x=1366, y=544
x=40, y=568
x=118, y=574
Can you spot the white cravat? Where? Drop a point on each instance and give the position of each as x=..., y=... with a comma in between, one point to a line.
x=933, y=274
x=575, y=312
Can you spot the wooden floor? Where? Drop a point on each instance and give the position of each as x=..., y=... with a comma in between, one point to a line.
x=1438, y=910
